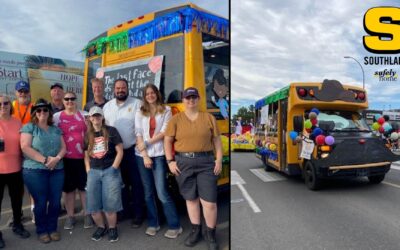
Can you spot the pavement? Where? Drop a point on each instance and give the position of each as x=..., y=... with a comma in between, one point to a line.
x=129, y=238
x=275, y=211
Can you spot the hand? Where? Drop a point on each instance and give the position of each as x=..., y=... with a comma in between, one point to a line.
x=51, y=162
x=148, y=163
x=173, y=167
x=218, y=167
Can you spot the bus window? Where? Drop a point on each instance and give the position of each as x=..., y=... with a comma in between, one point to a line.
x=93, y=65
x=216, y=69
x=171, y=86
x=344, y=120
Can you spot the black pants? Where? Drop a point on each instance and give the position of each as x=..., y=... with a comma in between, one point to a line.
x=15, y=185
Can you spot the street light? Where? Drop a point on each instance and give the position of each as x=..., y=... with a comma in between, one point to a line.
x=360, y=67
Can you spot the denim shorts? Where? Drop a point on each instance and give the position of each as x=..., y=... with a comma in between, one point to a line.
x=103, y=191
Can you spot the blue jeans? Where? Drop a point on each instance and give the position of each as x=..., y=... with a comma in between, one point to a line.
x=157, y=176
x=103, y=190
x=45, y=187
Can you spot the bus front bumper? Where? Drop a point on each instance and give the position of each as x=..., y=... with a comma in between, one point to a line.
x=360, y=170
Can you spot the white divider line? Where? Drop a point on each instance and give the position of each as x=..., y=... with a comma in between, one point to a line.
x=395, y=166
x=250, y=200
x=391, y=184
x=267, y=177
x=236, y=178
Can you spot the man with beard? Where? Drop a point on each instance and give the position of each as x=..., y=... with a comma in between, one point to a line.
x=22, y=105
x=120, y=113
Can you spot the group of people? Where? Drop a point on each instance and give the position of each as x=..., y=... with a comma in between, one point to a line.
x=115, y=153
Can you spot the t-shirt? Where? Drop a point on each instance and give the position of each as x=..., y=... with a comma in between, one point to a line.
x=92, y=104
x=22, y=112
x=73, y=128
x=48, y=143
x=10, y=158
x=100, y=158
x=193, y=136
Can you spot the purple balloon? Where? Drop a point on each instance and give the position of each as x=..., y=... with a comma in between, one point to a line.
x=329, y=140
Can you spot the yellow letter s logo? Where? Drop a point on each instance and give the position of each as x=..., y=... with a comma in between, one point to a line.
x=382, y=22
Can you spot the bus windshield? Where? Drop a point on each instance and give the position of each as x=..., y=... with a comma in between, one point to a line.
x=345, y=121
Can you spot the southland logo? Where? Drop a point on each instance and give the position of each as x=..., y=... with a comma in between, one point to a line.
x=386, y=75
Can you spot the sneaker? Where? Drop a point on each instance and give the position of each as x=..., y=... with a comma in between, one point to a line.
x=113, y=234
x=99, y=233
x=2, y=244
x=55, y=236
x=20, y=230
x=152, y=230
x=88, y=221
x=44, y=238
x=69, y=223
x=136, y=223
x=173, y=233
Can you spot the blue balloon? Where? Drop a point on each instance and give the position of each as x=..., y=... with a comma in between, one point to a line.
x=377, y=116
x=315, y=110
x=293, y=135
x=387, y=126
x=317, y=132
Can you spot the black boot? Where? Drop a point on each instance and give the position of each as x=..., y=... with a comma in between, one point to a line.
x=210, y=238
x=2, y=244
x=194, y=236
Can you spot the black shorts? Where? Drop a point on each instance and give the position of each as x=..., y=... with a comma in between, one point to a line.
x=197, y=178
x=75, y=175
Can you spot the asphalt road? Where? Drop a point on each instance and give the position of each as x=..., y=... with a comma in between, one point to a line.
x=273, y=211
x=129, y=238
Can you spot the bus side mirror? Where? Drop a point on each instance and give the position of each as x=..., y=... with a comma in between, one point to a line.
x=298, y=123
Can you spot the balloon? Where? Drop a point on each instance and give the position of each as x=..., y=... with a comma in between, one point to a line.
x=315, y=110
x=386, y=126
x=381, y=130
x=312, y=115
x=375, y=126
x=394, y=136
x=293, y=135
x=314, y=121
x=307, y=124
x=329, y=140
x=381, y=120
x=298, y=139
x=320, y=140
x=272, y=147
x=317, y=131
x=308, y=130
x=377, y=116
x=386, y=117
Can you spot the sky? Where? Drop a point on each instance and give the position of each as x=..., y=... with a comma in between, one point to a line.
x=62, y=28
x=277, y=42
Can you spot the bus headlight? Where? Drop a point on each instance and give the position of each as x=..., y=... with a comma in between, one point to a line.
x=324, y=155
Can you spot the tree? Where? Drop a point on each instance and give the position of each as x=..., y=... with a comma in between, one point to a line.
x=247, y=113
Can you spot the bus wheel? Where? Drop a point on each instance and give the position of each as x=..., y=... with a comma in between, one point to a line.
x=376, y=179
x=310, y=177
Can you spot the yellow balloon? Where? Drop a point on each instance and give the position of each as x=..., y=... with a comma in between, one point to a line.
x=272, y=147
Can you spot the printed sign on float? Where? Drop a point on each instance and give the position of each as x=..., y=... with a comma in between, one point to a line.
x=138, y=73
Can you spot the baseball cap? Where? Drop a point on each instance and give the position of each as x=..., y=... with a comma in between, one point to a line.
x=57, y=84
x=95, y=110
x=190, y=92
x=22, y=85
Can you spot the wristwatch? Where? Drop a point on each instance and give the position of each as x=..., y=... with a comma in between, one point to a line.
x=169, y=161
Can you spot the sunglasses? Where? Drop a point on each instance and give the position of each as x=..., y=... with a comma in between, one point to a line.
x=39, y=110
x=69, y=99
x=4, y=103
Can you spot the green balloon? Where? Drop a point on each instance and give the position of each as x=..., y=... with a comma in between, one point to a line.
x=307, y=123
x=375, y=126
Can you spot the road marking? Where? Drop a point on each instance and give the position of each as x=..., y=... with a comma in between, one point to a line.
x=250, y=200
x=395, y=166
x=236, y=200
x=267, y=177
x=391, y=184
x=236, y=179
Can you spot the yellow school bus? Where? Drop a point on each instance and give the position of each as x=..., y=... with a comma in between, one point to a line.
x=316, y=130
x=175, y=48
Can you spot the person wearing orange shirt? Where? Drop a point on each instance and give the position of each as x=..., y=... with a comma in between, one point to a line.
x=22, y=105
